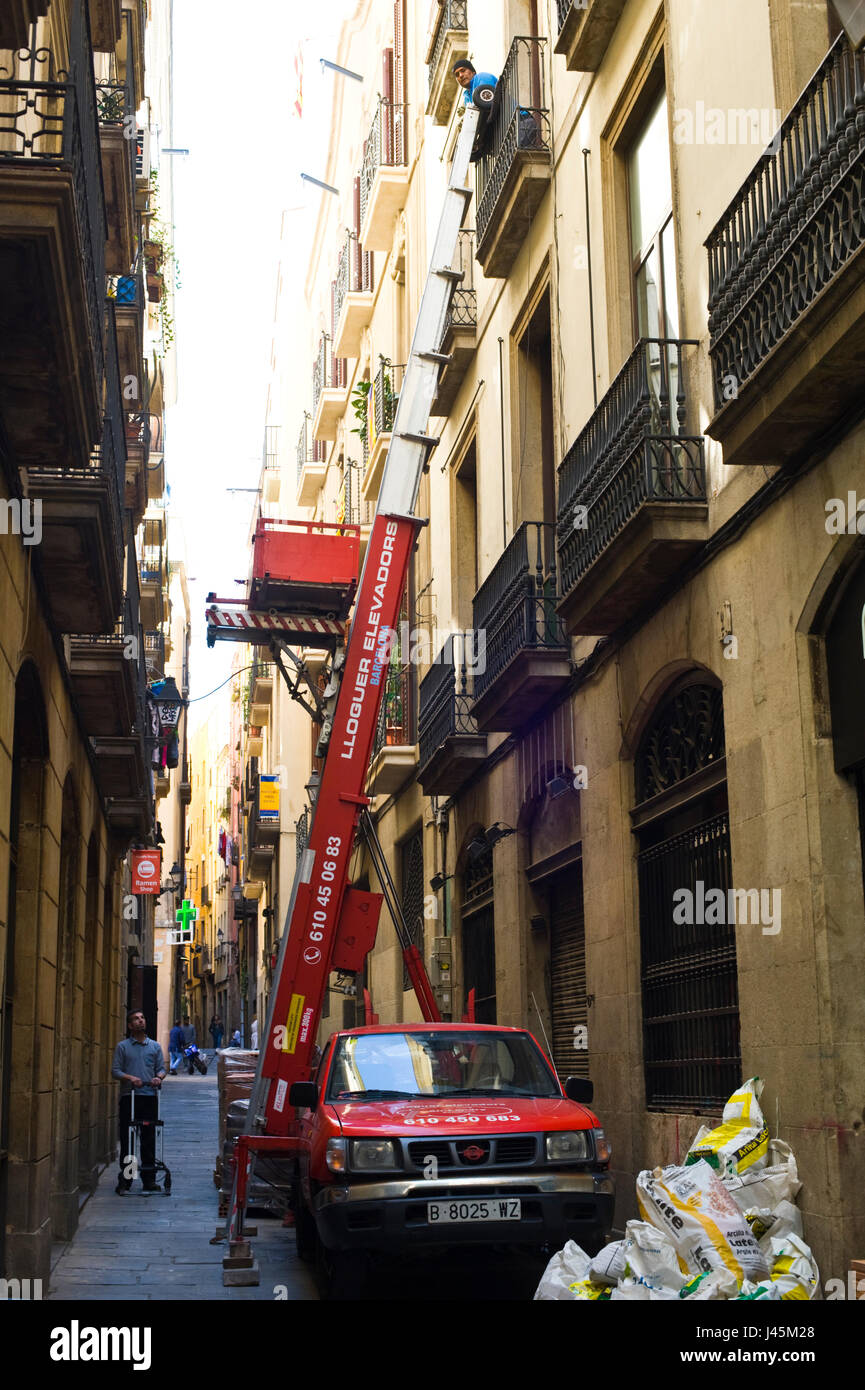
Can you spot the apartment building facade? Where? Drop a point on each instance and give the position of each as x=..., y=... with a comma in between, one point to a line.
x=82, y=389
x=626, y=807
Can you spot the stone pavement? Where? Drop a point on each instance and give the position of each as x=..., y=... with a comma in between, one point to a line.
x=143, y=1248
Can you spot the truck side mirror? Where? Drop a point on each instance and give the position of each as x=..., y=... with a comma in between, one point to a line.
x=576, y=1088
x=303, y=1094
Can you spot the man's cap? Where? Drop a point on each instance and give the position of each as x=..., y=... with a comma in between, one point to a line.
x=463, y=63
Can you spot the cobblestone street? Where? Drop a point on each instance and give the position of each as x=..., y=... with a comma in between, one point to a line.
x=157, y=1247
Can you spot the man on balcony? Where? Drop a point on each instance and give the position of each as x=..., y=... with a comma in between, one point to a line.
x=470, y=79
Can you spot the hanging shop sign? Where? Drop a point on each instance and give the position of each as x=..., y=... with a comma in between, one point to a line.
x=146, y=870
x=268, y=798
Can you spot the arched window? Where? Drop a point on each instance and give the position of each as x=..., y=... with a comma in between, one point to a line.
x=691, y=1050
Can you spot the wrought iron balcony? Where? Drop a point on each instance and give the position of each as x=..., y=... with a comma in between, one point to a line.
x=137, y=429
x=329, y=390
x=311, y=465
x=460, y=333
x=394, y=755
x=301, y=834
x=632, y=492
x=115, y=105
x=513, y=173
x=123, y=771
x=381, y=407
x=52, y=268
x=585, y=30
x=270, y=469
x=450, y=747
x=82, y=518
x=105, y=673
x=154, y=654
x=383, y=174
x=352, y=296
x=448, y=42
x=526, y=655
x=786, y=291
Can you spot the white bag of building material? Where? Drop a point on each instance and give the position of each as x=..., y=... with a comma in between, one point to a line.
x=629, y=1290
x=693, y=1207
x=608, y=1266
x=568, y=1266
x=785, y=1220
x=741, y=1141
x=717, y=1284
x=765, y=1188
x=792, y=1267
x=650, y=1258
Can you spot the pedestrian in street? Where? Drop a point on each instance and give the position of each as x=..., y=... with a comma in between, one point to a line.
x=236, y=1039
x=175, y=1046
x=188, y=1040
x=217, y=1031
x=253, y=1034
x=139, y=1066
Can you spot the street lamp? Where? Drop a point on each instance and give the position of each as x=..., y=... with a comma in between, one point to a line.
x=175, y=876
x=168, y=701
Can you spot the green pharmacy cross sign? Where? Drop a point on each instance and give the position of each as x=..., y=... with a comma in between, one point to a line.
x=186, y=915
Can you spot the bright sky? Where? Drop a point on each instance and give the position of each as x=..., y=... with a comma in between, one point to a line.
x=234, y=92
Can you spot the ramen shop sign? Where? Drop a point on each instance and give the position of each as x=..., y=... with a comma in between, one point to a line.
x=146, y=870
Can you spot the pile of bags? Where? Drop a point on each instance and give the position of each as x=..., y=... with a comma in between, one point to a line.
x=721, y=1225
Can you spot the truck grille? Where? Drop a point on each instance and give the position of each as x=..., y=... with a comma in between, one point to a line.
x=461, y=1151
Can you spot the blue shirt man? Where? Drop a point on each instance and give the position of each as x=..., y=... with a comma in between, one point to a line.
x=138, y=1062
x=470, y=79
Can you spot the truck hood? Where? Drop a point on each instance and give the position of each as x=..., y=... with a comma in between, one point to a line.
x=439, y=1116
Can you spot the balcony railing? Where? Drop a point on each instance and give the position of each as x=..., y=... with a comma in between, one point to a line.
x=308, y=451
x=270, y=449
x=464, y=304
x=301, y=834
x=794, y=224
x=385, y=147
x=521, y=122
x=453, y=15
x=353, y=273
x=383, y=399
x=328, y=372
x=49, y=119
x=396, y=719
x=633, y=450
x=115, y=108
x=515, y=607
x=445, y=701
x=154, y=654
x=564, y=8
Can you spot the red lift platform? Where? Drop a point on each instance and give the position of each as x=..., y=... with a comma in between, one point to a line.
x=304, y=567
x=302, y=586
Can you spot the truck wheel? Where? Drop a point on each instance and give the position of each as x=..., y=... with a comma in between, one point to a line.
x=340, y=1273
x=304, y=1232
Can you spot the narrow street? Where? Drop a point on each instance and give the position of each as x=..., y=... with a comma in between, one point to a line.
x=158, y=1247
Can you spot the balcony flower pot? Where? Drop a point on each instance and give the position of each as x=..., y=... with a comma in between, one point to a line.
x=153, y=251
x=154, y=288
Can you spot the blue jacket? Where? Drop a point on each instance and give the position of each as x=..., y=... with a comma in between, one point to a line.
x=175, y=1039
x=480, y=79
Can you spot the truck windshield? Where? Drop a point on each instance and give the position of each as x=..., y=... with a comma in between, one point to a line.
x=392, y=1066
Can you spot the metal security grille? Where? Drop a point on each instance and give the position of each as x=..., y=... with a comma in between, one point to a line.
x=568, y=973
x=412, y=881
x=479, y=937
x=691, y=1043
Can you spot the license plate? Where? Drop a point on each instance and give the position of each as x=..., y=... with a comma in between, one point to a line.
x=477, y=1209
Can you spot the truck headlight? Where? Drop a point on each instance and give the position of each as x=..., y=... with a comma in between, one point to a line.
x=372, y=1153
x=603, y=1151
x=335, y=1155
x=568, y=1146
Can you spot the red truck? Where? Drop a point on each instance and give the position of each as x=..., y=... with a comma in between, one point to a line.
x=418, y=1135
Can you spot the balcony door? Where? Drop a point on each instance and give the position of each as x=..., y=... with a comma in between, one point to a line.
x=653, y=249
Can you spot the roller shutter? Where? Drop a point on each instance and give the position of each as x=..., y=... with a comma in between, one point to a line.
x=568, y=971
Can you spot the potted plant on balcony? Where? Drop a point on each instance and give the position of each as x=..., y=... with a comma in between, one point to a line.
x=360, y=406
